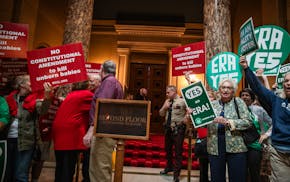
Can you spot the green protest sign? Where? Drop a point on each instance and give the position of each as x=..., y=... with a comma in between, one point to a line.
x=248, y=42
x=3, y=159
x=221, y=66
x=197, y=99
x=272, y=72
x=274, y=48
x=281, y=73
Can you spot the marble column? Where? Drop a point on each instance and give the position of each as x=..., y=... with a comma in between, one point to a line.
x=79, y=23
x=217, y=27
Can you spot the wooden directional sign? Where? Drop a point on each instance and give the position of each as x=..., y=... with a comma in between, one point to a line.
x=123, y=119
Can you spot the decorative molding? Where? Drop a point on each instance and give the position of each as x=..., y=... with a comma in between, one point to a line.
x=103, y=30
x=103, y=27
x=149, y=49
x=145, y=30
x=156, y=47
x=104, y=22
x=194, y=26
x=190, y=36
x=109, y=27
x=123, y=51
x=147, y=38
x=156, y=44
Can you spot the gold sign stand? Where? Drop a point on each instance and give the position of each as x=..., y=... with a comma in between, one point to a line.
x=118, y=176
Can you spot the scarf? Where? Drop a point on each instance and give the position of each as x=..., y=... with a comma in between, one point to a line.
x=29, y=102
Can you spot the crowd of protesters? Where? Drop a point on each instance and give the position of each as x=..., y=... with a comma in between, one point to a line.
x=265, y=159
x=31, y=122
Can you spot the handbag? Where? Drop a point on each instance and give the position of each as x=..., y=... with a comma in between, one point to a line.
x=250, y=134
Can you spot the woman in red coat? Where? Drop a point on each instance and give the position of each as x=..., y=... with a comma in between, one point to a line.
x=68, y=129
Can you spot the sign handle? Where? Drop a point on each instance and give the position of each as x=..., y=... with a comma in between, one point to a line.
x=189, y=160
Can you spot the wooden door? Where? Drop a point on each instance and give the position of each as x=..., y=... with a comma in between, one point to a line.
x=154, y=78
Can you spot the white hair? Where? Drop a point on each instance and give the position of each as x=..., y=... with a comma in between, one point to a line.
x=95, y=76
x=21, y=79
x=286, y=74
x=230, y=81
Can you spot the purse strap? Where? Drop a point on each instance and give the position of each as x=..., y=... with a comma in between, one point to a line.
x=237, y=108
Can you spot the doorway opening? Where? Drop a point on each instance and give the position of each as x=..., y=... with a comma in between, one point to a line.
x=153, y=77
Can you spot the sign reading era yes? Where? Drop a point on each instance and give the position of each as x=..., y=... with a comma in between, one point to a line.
x=189, y=58
x=274, y=48
x=221, y=66
x=13, y=40
x=197, y=99
x=58, y=65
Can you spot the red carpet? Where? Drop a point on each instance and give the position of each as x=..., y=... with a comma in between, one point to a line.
x=151, y=153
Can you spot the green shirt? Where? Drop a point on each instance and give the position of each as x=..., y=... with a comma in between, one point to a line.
x=4, y=111
x=256, y=145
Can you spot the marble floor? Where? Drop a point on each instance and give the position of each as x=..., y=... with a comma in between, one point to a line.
x=130, y=174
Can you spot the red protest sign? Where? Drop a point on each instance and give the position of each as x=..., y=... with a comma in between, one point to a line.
x=188, y=58
x=13, y=40
x=58, y=65
x=93, y=68
x=9, y=69
x=12, y=67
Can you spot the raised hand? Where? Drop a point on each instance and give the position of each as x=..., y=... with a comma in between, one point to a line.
x=47, y=89
x=243, y=62
x=260, y=72
x=186, y=75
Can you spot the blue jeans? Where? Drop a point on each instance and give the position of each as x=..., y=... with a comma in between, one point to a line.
x=237, y=164
x=23, y=163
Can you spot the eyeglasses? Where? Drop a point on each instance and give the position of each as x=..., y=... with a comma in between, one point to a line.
x=224, y=88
